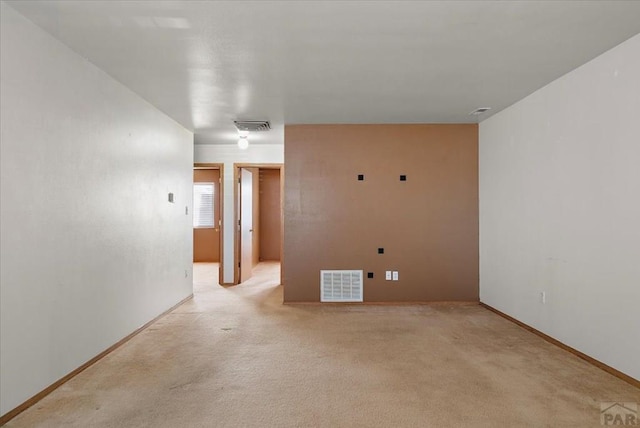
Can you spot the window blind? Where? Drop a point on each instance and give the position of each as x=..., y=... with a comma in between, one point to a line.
x=203, y=205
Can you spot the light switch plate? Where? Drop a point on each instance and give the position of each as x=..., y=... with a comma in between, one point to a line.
x=395, y=275
x=387, y=275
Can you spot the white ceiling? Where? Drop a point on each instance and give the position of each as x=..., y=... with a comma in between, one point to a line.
x=208, y=63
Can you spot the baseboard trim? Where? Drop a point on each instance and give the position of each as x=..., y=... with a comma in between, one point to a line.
x=48, y=390
x=617, y=373
x=425, y=303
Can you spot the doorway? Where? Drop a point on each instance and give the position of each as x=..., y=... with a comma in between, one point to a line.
x=258, y=216
x=207, y=214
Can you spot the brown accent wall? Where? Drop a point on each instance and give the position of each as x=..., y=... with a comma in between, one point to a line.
x=270, y=214
x=427, y=225
x=206, y=242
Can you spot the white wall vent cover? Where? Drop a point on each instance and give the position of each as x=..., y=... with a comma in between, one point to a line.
x=341, y=286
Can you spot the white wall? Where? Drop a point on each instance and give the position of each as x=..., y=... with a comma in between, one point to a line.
x=228, y=154
x=560, y=209
x=90, y=248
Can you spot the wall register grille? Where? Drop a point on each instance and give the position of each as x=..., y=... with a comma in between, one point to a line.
x=341, y=285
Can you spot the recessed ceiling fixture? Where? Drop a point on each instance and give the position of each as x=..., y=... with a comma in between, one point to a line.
x=480, y=110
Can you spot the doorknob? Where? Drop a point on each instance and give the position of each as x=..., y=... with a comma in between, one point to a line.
x=250, y=230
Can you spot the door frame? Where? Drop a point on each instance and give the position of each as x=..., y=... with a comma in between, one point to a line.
x=220, y=200
x=236, y=214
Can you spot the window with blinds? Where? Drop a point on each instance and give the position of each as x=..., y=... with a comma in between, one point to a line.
x=203, y=213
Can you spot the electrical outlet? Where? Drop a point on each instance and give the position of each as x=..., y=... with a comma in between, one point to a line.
x=543, y=297
x=387, y=275
x=395, y=275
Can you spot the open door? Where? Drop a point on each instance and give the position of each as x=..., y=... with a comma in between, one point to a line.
x=207, y=243
x=246, y=224
x=258, y=215
x=206, y=215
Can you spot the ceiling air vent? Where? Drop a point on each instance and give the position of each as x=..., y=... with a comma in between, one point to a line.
x=252, y=125
x=341, y=286
x=480, y=111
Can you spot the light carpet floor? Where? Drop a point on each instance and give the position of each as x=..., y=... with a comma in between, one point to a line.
x=238, y=357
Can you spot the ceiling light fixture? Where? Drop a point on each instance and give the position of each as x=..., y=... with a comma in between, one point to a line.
x=243, y=141
x=244, y=127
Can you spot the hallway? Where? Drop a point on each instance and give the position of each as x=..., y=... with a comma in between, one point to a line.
x=238, y=357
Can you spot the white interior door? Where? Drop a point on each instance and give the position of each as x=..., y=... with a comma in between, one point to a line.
x=246, y=224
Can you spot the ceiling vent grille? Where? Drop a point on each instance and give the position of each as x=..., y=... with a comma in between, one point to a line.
x=480, y=111
x=341, y=286
x=252, y=125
